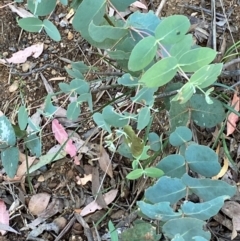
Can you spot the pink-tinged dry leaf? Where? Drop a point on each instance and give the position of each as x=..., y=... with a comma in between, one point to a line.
x=83, y=181
x=21, y=12
x=61, y=136
x=22, y=55
x=93, y=206
x=38, y=203
x=105, y=162
x=233, y=118
x=4, y=216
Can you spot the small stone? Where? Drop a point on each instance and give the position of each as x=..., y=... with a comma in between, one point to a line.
x=70, y=35
x=53, y=72
x=5, y=54
x=14, y=86
x=25, y=66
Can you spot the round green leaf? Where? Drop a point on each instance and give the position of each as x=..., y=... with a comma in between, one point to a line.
x=188, y=228
x=10, y=157
x=154, y=141
x=135, y=174
x=153, y=172
x=206, y=115
x=101, y=123
x=73, y=111
x=143, y=118
x=173, y=165
x=31, y=24
x=166, y=189
x=113, y=118
x=203, y=160
x=41, y=7
x=51, y=30
x=180, y=136
x=206, y=76
x=142, y=54
x=160, y=73
x=22, y=117
x=80, y=86
x=194, y=59
x=33, y=143
x=172, y=29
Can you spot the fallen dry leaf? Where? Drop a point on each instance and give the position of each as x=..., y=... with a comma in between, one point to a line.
x=223, y=169
x=4, y=216
x=93, y=206
x=22, y=55
x=38, y=203
x=22, y=169
x=232, y=210
x=233, y=118
x=83, y=181
x=105, y=162
x=21, y=11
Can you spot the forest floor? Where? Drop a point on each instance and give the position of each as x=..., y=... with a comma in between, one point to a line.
x=60, y=181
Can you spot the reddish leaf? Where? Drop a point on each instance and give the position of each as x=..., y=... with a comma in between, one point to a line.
x=62, y=136
x=4, y=216
x=233, y=118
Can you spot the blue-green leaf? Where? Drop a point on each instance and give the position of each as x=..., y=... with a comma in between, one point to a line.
x=173, y=165
x=142, y=54
x=180, y=136
x=49, y=108
x=172, y=29
x=161, y=211
x=51, y=30
x=154, y=141
x=203, y=160
x=113, y=118
x=42, y=7
x=99, y=120
x=128, y=80
x=205, y=210
x=206, y=76
x=143, y=118
x=22, y=117
x=101, y=33
x=121, y=5
x=186, y=227
x=160, y=73
x=7, y=134
x=33, y=143
x=166, y=189
x=31, y=24
x=73, y=111
x=10, y=158
x=145, y=96
x=194, y=59
x=208, y=189
x=80, y=86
